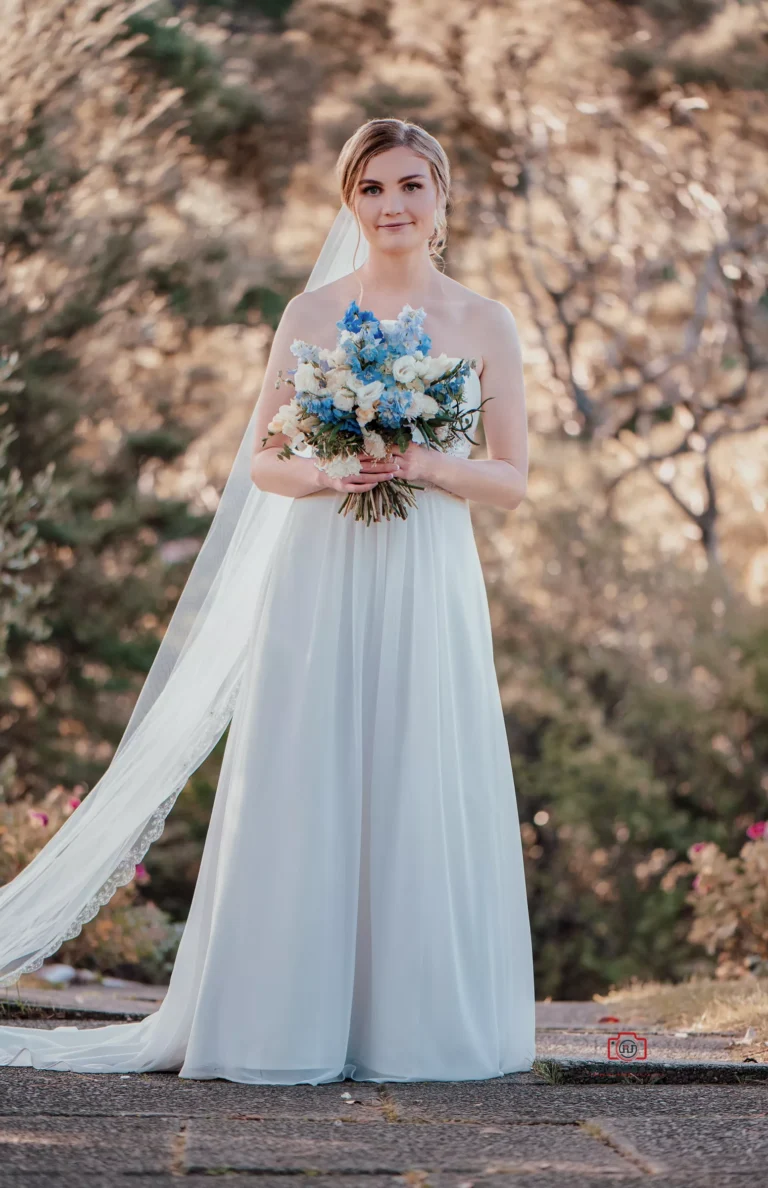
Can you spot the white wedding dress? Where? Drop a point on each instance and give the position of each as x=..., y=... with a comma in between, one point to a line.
x=361, y=906
x=360, y=909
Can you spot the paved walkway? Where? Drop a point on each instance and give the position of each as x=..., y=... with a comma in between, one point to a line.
x=563, y=1124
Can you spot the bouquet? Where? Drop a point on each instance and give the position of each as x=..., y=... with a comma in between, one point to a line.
x=377, y=389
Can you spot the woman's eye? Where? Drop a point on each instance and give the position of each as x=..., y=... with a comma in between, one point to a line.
x=413, y=185
x=369, y=189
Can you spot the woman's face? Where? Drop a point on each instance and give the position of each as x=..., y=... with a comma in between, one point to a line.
x=396, y=201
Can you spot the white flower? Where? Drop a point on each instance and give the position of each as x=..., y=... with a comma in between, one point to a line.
x=375, y=445
x=299, y=346
x=421, y=365
x=421, y=406
x=348, y=336
x=368, y=394
x=286, y=419
x=404, y=369
x=439, y=367
x=306, y=379
x=336, y=357
x=341, y=467
x=364, y=415
x=344, y=401
x=338, y=379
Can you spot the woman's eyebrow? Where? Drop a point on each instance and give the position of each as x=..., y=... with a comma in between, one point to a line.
x=370, y=181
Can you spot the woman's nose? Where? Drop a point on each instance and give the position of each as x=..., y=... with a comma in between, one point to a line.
x=393, y=204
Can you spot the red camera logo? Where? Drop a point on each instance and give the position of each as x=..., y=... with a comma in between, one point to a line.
x=627, y=1045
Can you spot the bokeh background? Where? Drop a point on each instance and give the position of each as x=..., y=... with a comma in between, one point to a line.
x=166, y=181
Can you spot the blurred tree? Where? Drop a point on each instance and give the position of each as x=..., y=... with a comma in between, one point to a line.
x=638, y=724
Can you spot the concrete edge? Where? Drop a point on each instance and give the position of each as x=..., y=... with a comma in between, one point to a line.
x=562, y=1070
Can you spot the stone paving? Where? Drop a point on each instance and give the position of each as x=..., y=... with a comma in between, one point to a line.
x=563, y=1124
x=156, y=1129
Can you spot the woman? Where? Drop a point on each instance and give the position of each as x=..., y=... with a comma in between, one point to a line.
x=360, y=910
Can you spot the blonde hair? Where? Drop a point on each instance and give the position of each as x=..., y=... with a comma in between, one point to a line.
x=376, y=136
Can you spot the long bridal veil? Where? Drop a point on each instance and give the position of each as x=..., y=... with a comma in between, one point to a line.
x=183, y=708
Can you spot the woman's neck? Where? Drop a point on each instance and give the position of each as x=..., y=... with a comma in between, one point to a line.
x=411, y=277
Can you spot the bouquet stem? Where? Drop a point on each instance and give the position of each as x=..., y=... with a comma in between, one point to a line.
x=385, y=500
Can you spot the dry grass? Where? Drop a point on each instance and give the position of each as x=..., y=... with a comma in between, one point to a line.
x=702, y=1006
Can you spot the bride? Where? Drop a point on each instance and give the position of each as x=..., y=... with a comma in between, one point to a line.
x=361, y=905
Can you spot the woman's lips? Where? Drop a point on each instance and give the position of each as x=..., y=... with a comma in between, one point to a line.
x=393, y=226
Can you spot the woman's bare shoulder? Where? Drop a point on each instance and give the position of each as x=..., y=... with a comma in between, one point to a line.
x=478, y=309
x=317, y=311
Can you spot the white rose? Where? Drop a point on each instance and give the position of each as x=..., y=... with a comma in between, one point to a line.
x=404, y=369
x=344, y=401
x=338, y=379
x=306, y=379
x=356, y=383
x=285, y=419
x=421, y=366
x=439, y=367
x=422, y=406
x=368, y=394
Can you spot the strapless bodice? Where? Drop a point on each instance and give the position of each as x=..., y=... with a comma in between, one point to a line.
x=461, y=448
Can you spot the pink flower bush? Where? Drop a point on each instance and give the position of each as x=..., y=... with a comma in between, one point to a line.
x=729, y=897
x=130, y=936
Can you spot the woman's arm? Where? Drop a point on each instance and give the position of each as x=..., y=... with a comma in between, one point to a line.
x=501, y=478
x=293, y=476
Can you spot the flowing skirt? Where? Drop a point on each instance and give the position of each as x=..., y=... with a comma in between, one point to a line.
x=361, y=904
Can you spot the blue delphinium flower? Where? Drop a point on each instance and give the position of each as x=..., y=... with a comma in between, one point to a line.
x=318, y=406
x=351, y=424
x=392, y=408
x=355, y=320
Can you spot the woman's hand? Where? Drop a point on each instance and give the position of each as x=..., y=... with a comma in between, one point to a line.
x=412, y=464
x=373, y=471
